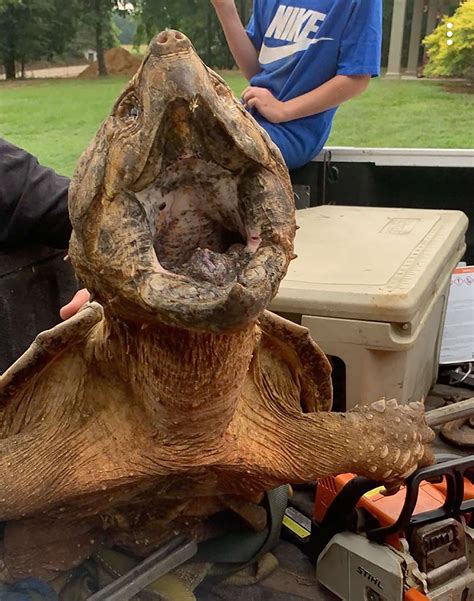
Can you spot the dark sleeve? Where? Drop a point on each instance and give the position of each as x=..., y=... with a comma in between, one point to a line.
x=33, y=201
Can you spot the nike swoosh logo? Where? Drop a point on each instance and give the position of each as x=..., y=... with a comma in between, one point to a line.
x=270, y=55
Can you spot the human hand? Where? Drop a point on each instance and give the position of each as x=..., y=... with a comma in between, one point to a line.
x=266, y=104
x=80, y=298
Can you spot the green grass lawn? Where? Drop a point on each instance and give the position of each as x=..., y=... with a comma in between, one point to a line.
x=55, y=120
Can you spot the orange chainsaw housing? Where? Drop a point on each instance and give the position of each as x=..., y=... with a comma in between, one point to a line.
x=468, y=488
x=390, y=511
x=414, y=595
x=386, y=509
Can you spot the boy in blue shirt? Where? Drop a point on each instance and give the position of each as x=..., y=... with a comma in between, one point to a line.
x=303, y=58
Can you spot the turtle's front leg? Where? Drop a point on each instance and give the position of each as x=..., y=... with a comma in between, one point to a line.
x=37, y=470
x=51, y=466
x=383, y=441
x=45, y=349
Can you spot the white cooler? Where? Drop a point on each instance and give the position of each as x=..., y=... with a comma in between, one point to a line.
x=371, y=284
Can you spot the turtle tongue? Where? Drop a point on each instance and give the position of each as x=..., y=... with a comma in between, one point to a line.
x=219, y=269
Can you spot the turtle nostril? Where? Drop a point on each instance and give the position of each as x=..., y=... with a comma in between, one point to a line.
x=168, y=42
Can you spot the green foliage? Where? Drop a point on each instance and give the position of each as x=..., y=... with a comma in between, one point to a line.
x=195, y=18
x=33, y=29
x=40, y=29
x=456, y=59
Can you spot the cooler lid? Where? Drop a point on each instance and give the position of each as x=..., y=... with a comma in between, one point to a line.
x=371, y=263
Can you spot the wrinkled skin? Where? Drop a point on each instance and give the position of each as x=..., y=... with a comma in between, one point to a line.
x=176, y=395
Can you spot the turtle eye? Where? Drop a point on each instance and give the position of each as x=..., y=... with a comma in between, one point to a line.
x=129, y=109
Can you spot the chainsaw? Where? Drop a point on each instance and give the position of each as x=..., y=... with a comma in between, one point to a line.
x=415, y=545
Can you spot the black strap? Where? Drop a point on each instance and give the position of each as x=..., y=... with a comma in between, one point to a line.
x=237, y=550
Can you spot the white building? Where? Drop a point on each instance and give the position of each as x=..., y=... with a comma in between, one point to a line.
x=91, y=55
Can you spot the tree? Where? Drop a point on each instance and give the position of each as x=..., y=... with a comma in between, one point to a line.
x=33, y=29
x=9, y=19
x=99, y=13
x=451, y=45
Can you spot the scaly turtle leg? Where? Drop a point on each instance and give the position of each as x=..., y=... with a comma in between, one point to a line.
x=384, y=441
x=46, y=348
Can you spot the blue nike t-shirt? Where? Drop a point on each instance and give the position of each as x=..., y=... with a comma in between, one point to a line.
x=304, y=43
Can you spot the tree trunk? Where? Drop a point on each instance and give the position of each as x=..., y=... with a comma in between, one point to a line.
x=10, y=67
x=99, y=39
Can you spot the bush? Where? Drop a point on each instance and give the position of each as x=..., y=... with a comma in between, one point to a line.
x=455, y=59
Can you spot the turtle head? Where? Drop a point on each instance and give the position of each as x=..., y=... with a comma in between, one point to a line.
x=182, y=208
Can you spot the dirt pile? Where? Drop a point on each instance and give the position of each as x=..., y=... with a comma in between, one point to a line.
x=118, y=61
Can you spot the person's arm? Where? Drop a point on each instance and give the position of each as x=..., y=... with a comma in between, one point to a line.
x=240, y=45
x=334, y=92
x=33, y=201
x=358, y=61
x=33, y=208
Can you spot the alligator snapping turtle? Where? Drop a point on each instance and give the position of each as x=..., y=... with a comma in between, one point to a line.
x=175, y=395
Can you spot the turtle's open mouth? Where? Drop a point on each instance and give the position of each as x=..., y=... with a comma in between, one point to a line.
x=199, y=232
x=195, y=223
x=196, y=205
